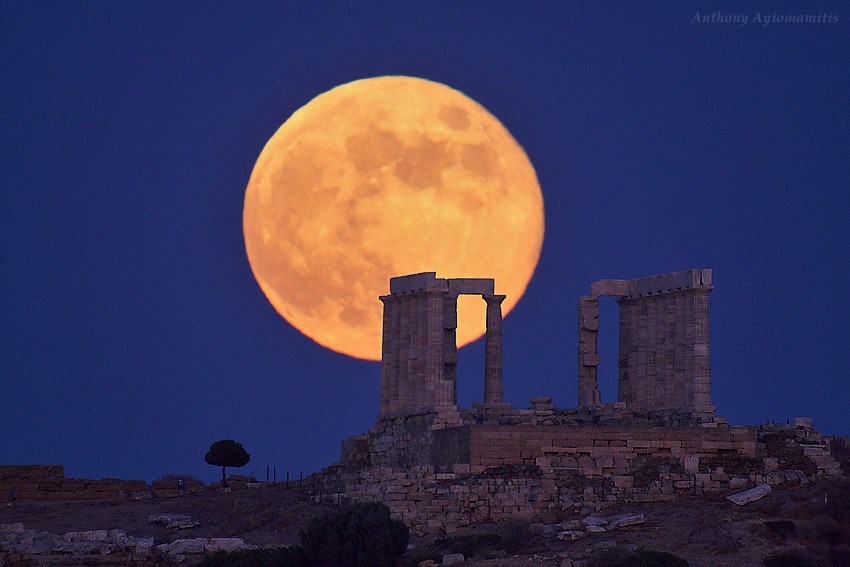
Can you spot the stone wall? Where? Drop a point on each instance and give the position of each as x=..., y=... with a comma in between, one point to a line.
x=48, y=482
x=481, y=473
x=591, y=450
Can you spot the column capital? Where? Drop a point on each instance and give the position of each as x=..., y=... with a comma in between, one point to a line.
x=497, y=299
x=389, y=298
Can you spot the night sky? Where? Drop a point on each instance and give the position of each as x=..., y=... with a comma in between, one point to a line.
x=133, y=333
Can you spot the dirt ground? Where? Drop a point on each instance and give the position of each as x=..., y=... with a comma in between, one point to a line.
x=708, y=531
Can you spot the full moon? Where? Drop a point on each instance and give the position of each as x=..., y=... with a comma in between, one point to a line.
x=384, y=177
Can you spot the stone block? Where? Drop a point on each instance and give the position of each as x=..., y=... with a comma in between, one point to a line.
x=226, y=544
x=751, y=495
x=623, y=520
x=594, y=521
x=589, y=359
x=610, y=288
x=183, y=546
x=453, y=558
x=622, y=481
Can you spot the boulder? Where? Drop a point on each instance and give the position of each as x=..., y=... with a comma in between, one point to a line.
x=594, y=521
x=571, y=535
x=751, y=495
x=174, y=521
x=594, y=529
x=195, y=545
x=622, y=520
x=453, y=558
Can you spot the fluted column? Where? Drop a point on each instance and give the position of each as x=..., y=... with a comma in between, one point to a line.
x=493, y=388
x=389, y=355
x=701, y=365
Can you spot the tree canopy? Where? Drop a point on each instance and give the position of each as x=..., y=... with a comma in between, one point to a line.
x=227, y=453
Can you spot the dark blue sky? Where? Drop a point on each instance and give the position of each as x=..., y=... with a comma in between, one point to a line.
x=133, y=334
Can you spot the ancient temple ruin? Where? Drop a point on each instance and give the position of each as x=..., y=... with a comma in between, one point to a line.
x=438, y=466
x=664, y=353
x=419, y=353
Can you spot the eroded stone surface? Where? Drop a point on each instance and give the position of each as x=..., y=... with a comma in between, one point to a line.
x=751, y=495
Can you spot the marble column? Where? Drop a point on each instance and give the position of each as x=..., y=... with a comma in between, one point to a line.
x=438, y=392
x=701, y=352
x=389, y=355
x=493, y=350
x=588, y=354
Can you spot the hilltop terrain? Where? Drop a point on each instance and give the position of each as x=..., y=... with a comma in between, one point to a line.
x=708, y=531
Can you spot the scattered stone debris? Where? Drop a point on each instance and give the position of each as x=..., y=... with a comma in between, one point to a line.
x=573, y=530
x=179, y=549
x=571, y=535
x=16, y=539
x=174, y=521
x=751, y=495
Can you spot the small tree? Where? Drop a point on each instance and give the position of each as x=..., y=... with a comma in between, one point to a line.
x=227, y=453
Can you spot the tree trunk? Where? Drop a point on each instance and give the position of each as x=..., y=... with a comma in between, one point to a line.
x=223, y=477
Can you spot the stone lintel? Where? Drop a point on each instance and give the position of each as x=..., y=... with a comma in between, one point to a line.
x=616, y=288
x=471, y=286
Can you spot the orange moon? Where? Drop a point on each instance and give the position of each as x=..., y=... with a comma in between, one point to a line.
x=384, y=177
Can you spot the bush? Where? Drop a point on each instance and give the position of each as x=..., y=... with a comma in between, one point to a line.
x=356, y=535
x=470, y=545
x=520, y=537
x=281, y=557
x=787, y=559
x=621, y=557
x=782, y=528
x=501, y=539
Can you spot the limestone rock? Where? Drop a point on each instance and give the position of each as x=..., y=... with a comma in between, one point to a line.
x=571, y=535
x=195, y=545
x=175, y=521
x=594, y=521
x=226, y=544
x=751, y=495
x=622, y=520
x=453, y=558
x=595, y=529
